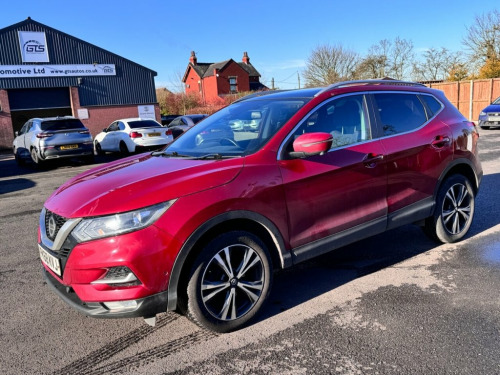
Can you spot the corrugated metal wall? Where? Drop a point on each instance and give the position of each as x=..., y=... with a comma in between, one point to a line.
x=132, y=84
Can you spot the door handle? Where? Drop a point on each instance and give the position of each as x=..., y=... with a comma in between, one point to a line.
x=440, y=141
x=370, y=160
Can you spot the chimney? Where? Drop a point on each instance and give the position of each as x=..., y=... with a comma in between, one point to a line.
x=246, y=59
x=193, y=60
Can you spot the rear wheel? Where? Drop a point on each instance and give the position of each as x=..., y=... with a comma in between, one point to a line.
x=454, y=210
x=123, y=148
x=34, y=157
x=229, y=282
x=485, y=127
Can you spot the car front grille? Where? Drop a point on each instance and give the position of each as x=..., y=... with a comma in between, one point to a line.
x=50, y=230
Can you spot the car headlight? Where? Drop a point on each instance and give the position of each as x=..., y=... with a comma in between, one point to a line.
x=112, y=225
x=482, y=114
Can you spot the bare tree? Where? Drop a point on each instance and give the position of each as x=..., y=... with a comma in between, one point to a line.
x=436, y=64
x=328, y=64
x=401, y=58
x=483, y=37
x=387, y=58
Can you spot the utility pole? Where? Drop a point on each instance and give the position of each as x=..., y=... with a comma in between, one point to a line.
x=298, y=78
x=272, y=83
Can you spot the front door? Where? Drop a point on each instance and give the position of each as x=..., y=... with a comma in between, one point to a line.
x=334, y=195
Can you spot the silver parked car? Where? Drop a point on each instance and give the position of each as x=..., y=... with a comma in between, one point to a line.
x=41, y=139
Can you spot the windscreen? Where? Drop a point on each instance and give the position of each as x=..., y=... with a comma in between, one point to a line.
x=237, y=130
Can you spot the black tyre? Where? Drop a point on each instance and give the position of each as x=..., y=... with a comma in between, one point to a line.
x=454, y=210
x=98, y=149
x=123, y=148
x=19, y=160
x=229, y=282
x=34, y=157
x=485, y=127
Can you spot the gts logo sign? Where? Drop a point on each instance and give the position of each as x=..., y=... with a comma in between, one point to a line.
x=33, y=46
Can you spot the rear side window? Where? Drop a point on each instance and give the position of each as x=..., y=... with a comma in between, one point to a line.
x=399, y=113
x=432, y=104
x=144, y=124
x=62, y=124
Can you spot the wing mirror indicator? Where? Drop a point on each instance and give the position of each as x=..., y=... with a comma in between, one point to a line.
x=311, y=144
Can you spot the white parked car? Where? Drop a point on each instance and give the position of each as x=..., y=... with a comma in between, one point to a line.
x=132, y=135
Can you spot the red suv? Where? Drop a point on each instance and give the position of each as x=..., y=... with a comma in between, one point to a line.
x=200, y=226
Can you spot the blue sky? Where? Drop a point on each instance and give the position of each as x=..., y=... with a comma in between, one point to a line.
x=278, y=35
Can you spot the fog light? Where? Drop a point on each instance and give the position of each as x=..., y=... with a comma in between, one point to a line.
x=118, y=275
x=121, y=305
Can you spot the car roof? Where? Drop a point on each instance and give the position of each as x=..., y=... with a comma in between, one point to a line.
x=135, y=119
x=312, y=92
x=57, y=118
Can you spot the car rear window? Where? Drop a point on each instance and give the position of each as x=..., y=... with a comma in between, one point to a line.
x=144, y=124
x=62, y=124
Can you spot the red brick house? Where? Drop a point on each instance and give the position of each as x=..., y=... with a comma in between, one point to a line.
x=213, y=80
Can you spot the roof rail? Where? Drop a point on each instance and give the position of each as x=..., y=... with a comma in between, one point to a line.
x=369, y=82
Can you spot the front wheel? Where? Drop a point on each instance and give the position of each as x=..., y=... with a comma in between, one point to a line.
x=229, y=282
x=454, y=210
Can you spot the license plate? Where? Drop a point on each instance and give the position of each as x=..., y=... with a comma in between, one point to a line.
x=154, y=134
x=69, y=147
x=50, y=261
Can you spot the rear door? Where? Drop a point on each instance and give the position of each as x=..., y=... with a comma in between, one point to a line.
x=418, y=148
x=342, y=193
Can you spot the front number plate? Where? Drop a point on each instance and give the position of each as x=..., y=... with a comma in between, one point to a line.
x=50, y=261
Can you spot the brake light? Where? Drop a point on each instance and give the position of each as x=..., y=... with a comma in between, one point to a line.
x=44, y=135
x=135, y=135
x=168, y=132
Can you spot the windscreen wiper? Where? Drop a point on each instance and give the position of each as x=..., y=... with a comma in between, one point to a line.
x=215, y=156
x=173, y=154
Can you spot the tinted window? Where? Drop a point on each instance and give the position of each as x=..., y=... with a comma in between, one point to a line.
x=431, y=102
x=344, y=118
x=399, y=113
x=197, y=119
x=144, y=124
x=62, y=124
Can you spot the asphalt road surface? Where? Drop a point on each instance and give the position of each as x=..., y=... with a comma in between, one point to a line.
x=396, y=303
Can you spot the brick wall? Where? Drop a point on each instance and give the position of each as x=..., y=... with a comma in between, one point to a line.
x=6, y=132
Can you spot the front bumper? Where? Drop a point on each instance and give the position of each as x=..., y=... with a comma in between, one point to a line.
x=144, y=307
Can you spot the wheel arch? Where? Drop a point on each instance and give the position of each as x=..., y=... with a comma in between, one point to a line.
x=460, y=166
x=234, y=220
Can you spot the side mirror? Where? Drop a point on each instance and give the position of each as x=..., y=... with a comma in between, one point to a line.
x=310, y=144
x=105, y=130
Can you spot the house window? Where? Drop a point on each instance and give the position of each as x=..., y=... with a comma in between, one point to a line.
x=233, y=84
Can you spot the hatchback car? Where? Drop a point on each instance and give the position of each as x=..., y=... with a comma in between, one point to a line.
x=42, y=139
x=182, y=123
x=490, y=116
x=200, y=226
x=132, y=135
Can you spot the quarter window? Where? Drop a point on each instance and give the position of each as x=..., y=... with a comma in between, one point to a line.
x=399, y=113
x=431, y=102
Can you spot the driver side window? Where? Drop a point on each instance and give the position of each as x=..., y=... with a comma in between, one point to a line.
x=344, y=118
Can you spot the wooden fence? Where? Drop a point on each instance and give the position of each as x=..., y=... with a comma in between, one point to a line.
x=470, y=97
